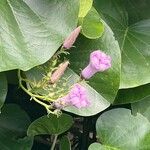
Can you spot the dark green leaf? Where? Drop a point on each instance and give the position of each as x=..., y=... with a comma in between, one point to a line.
x=65, y=143
x=50, y=125
x=32, y=31
x=132, y=95
x=106, y=83
x=134, y=42
x=119, y=129
x=13, y=126
x=3, y=89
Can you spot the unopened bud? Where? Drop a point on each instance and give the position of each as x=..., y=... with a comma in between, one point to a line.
x=59, y=72
x=69, y=41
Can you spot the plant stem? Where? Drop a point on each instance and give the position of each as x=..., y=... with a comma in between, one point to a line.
x=54, y=142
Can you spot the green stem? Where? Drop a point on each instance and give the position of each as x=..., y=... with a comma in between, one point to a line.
x=34, y=97
x=54, y=142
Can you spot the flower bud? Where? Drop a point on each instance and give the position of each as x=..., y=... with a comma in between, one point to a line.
x=99, y=62
x=69, y=41
x=59, y=72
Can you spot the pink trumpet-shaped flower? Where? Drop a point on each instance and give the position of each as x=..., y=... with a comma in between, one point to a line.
x=69, y=41
x=77, y=97
x=99, y=62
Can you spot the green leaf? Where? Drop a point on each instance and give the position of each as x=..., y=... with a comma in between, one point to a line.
x=134, y=40
x=106, y=83
x=50, y=125
x=13, y=125
x=142, y=107
x=98, y=146
x=65, y=143
x=3, y=89
x=32, y=31
x=85, y=6
x=132, y=95
x=95, y=146
x=92, y=26
x=98, y=103
x=120, y=130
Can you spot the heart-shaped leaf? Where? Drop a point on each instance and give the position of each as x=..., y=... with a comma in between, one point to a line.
x=50, y=125
x=134, y=40
x=3, y=89
x=106, y=83
x=32, y=31
x=13, y=126
x=119, y=129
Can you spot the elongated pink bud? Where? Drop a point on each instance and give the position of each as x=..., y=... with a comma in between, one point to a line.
x=69, y=41
x=59, y=72
x=99, y=62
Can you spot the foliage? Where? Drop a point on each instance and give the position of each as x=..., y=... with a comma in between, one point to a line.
x=32, y=50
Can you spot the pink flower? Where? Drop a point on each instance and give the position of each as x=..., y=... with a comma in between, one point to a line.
x=77, y=97
x=69, y=41
x=99, y=62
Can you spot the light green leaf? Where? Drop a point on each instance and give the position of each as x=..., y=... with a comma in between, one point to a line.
x=106, y=83
x=118, y=128
x=13, y=125
x=3, y=89
x=98, y=103
x=92, y=26
x=65, y=143
x=142, y=107
x=132, y=95
x=98, y=146
x=50, y=125
x=85, y=6
x=32, y=31
x=134, y=40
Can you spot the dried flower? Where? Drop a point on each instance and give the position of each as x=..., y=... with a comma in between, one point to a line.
x=99, y=62
x=59, y=72
x=69, y=41
x=77, y=97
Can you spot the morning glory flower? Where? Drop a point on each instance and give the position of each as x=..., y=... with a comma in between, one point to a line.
x=99, y=62
x=77, y=97
x=69, y=41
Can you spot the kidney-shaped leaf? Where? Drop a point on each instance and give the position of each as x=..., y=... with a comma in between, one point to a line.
x=3, y=89
x=134, y=42
x=13, y=126
x=118, y=128
x=50, y=125
x=32, y=31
